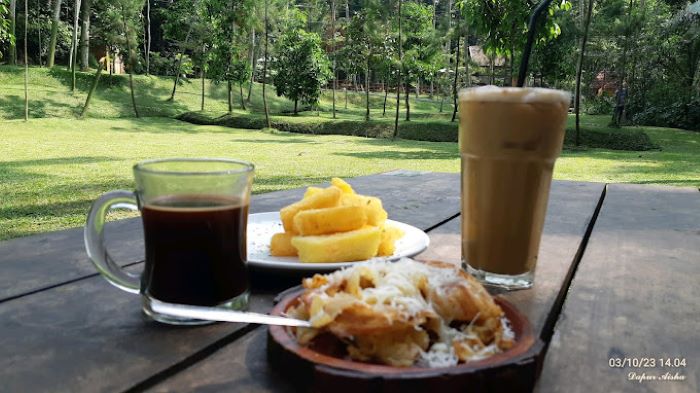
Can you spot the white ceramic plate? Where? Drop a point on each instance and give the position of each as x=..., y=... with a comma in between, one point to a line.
x=262, y=226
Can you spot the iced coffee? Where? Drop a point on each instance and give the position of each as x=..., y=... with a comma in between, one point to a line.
x=509, y=139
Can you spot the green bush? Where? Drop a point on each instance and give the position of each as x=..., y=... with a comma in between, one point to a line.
x=421, y=130
x=599, y=105
x=613, y=139
x=432, y=131
x=677, y=114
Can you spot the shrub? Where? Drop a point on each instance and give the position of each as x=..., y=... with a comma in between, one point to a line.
x=678, y=115
x=599, y=105
x=166, y=65
x=421, y=130
x=613, y=139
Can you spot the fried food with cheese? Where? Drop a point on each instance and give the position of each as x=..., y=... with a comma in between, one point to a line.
x=405, y=313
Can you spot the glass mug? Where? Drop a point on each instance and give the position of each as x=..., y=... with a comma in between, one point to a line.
x=509, y=139
x=195, y=214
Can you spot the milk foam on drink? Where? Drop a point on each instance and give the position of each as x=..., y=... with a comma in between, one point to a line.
x=509, y=139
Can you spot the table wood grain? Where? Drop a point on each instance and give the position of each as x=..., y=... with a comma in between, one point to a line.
x=635, y=295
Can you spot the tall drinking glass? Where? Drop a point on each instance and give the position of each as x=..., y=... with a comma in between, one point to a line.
x=509, y=139
x=195, y=214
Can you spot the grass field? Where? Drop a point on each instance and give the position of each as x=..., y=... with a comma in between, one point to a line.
x=53, y=167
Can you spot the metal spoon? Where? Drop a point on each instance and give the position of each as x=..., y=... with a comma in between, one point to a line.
x=224, y=315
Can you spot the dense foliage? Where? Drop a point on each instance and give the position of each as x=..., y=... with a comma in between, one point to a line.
x=301, y=46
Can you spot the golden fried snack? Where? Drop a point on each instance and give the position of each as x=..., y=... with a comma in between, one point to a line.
x=405, y=313
x=281, y=245
x=390, y=234
x=343, y=185
x=376, y=215
x=326, y=197
x=356, y=245
x=329, y=220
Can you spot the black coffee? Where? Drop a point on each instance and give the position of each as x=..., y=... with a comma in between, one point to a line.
x=195, y=249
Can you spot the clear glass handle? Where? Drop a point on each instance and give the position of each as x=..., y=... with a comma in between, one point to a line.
x=94, y=239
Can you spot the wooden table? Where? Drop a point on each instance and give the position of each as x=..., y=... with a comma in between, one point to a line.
x=616, y=282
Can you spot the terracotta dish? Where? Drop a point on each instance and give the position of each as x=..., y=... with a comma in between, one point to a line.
x=323, y=367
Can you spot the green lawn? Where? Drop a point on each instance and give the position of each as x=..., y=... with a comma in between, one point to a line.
x=52, y=167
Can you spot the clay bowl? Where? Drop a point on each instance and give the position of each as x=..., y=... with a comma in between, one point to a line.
x=321, y=368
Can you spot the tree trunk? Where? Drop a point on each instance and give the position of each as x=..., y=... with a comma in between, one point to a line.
x=240, y=90
x=229, y=92
x=264, y=77
x=579, y=68
x=386, y=93
x=367, y=79
x=85, y=36
x=398, y=78
x=454, y=83
x=94, y=86
x=130, y=57
x=179, y=63
x=442, y=101
x=38, y=7
x=335, y=73
x=74, y=44
x=202, y=74
x=13, y=28
x=148, y=38
x=54, y=31
x=252, y=63
x=26, y=62
x=467, y=57
x=407, y=93
x=346, y=97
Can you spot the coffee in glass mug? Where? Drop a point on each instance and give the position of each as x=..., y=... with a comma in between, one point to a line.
x=194, y=214
x=509, y=139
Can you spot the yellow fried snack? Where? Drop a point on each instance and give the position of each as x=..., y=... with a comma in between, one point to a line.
x=329, y=220
x=429, y=314
x=311, y=191
x=390, y=234
x=343, y=185
x=376, y=215
x=327, y=197
x=349, y=246
x=281, y=245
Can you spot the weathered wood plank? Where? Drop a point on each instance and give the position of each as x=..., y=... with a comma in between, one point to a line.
x=243, y=362
x=36, y=262
x=89, y=336
x=635, y=294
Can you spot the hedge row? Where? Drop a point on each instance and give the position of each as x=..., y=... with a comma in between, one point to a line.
x=419, y=130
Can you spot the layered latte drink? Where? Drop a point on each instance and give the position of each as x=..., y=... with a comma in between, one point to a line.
x=509, y=139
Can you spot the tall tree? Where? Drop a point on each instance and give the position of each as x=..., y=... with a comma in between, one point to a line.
x=148, y=37
x=579, y=67
x=26, y=62
x=54, y=32
x=85, y=35
x=264, y=75
x=301, y=66
x=13, y=32
x=74, y=44
x=182, y=18
x=335, y=56
x=131, y=55
x=398, y=77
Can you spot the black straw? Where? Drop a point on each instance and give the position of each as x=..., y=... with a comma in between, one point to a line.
x=532, y=26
